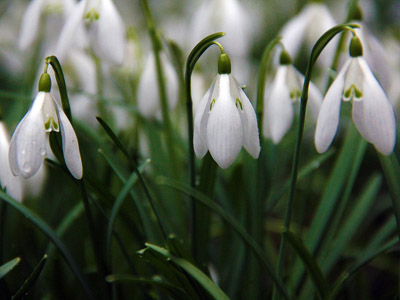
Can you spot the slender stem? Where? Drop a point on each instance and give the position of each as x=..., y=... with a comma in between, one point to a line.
x=157, y=47
x=315, y=52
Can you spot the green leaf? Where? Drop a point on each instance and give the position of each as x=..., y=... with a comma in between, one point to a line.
x=52, y=236
x=168, y=289
x=8, y=266
x=233, y=223
x=194, y=272
x=31, y=279
x=310, y=263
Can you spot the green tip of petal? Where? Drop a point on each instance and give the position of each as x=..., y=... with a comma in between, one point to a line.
x=45, y=83
x=224, y=64
x=285, y=58
x=356, y=48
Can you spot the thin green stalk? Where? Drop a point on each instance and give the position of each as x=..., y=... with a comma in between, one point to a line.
x=192, y=59
x=157, y=47
x=315, y=52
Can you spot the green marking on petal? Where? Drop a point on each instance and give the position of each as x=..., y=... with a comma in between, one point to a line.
x=239, y=103
x=92, y=15
x=212, y=103
x=50, y=125
x=352, y=93
x=295, y=94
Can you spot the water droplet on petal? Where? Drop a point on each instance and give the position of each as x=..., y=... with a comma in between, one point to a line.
x=23, y=152
x=42, y=152
x=34, y=142
x=27, y=167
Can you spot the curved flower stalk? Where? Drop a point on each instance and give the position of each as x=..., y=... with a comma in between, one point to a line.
x=28, y=143
x=372, y=112
x=148, y=93
x=225, y=120
x=34, y=13
x=283, y=92
x=306, y=27
x=9, y=182
x=106, y=30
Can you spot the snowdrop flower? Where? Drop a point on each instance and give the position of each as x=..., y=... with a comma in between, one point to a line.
x=107, y=32
x=313, y=21
x=280, y=96
x=33, y=15
x=28, y=143
x=11, y=183
x=372, y=112
x=148, y=94
x=225, y=120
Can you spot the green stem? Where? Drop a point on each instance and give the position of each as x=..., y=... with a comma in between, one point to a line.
x=192, y=59
x=315, y=52
x=157, y=47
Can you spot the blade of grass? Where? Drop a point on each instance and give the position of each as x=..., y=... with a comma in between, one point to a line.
x=8, y=266
x=233, y=223
x=52, y=236
x=21, y=293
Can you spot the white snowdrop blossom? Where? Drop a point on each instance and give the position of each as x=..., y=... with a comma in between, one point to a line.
x=280, y=96
x=12, y=184
x=34, y=13
x=106, y=30
x=148, y=94
x=307, y=27
x=225, y=121
x=28, y=143
x=372, y=111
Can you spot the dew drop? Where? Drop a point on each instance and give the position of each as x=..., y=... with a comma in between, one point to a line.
x=42, y=152
x=34, y=142
x=27, y=167
x=23, y=152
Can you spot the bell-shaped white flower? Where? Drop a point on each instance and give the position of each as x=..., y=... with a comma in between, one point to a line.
x=280, y=96
x=34, y=13
x=148, y=93
x=11, y=183
x=372, y=111
x=106, y=32
x=225, y=120
x=306, y=27
x=28, y=143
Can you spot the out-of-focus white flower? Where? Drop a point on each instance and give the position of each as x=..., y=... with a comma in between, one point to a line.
x=28, y=143
x=308, y=26
x=11, y=183
x=229, y=16
x=106, y=32
x=372, y=111
x=148, y=93
x=280, y=96
x=34, y=13
x=225, y=121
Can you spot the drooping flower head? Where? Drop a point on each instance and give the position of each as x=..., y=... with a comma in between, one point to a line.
x=372, y=111
x=106, y=30
x=280, y=96
x=225, y=119
x=28, y=143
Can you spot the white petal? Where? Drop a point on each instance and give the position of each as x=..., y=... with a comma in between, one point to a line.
x=328, y=118
x=378, y=113
x=71, y=152
x=28, y=143
x=110, y=40
x=278, y=109
x=224, y=128
x=358, y=116
x=251, y=141
x=69, y=32
x=293, y=33
x=11, y=183
x=30, y=24
x=200, y=123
